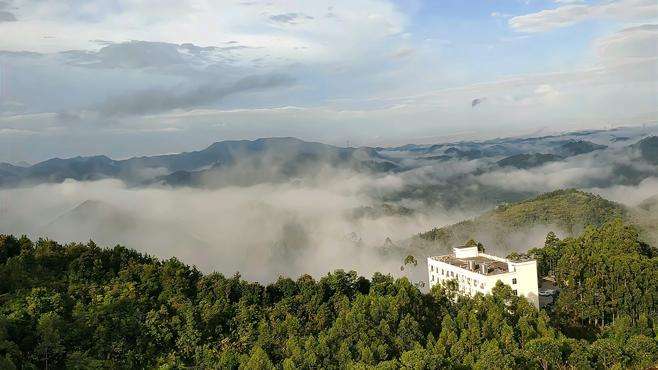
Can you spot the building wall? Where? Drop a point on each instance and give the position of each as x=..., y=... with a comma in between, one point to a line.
x=466, y=252
x=528, y=284
x=465, y=278
x=522, y=278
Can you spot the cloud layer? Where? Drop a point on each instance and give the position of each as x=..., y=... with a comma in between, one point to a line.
x=570, y=14
x=120, y=81
x=262, y=231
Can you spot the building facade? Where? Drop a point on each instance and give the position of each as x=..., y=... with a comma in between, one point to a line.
x=476, y=272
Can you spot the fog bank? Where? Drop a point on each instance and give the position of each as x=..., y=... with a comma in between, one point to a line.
x=261, y=231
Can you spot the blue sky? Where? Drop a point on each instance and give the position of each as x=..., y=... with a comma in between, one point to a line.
x=140, y=77
x=484, y=45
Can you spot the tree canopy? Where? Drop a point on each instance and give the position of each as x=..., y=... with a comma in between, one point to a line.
x=80, y=306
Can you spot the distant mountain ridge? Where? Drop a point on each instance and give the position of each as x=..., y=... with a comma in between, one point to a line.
x=180, y=169
x=578, y=147
x=285, y=158
x=525, y=161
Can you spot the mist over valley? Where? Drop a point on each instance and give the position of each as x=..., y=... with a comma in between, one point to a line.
x=339, y=184
x=283, y=206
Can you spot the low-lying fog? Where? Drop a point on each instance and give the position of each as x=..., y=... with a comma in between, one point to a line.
x=301, y=226
x=261, y=231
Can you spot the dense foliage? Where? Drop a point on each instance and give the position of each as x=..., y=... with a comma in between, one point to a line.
x=570, y=210
x=603, y=274
x=81, y=306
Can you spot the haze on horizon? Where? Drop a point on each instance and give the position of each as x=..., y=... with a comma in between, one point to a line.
x=116, y=78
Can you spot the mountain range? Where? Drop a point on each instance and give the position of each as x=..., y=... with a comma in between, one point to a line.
x=270, y=159
x=247, y=162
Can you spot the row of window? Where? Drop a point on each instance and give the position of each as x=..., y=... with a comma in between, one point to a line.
x=462, y=288
x=462, y=278
x=443, y=271
x=452, y=274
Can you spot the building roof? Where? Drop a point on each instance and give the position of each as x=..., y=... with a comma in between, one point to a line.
x=493, y=266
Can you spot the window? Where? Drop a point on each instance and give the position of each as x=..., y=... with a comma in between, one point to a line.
x=431, y=268
x=515, y=291
x=513, y=280
x=442, y=271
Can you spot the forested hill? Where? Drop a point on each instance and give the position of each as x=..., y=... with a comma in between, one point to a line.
x=78, y=306
x=567, y=211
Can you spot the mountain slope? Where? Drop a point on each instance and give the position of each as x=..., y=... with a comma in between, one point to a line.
x=110, y=225
x=645, y=215
x=648, y=149
x=273, y=157
x=274, y=151
x=508, y=227
x=228, y=152
x=525, y=161
x=10, y=174
x=276, y=160
x=78, y=168
x=578, y=147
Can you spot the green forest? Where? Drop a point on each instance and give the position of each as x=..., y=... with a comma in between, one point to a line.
x=79, y=306
x=569, y=210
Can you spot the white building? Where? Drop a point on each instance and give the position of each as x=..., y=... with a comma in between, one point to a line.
x=478, y=272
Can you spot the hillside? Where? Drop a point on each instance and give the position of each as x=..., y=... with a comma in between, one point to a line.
x=648, y=149
x=146, y=313
x=10, y=174
x=565, y=211
x=525, y=161
x=579, y=147
x=110, y=225
x=91, y=217
x=270, y=159
x=277, y=160
x=78, y=168
x=649, y=204
x=645, y=216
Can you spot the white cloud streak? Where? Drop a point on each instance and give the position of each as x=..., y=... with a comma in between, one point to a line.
x=570, y=14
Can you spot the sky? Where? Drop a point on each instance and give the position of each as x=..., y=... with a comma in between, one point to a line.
x=127, y=78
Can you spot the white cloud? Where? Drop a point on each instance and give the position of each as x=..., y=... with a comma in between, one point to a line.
x=615, y=92
x=570, y=14
x=354, y=64
x=547, y=90
x=284, y=31
x=500, y=15
x=632, y=45
x=629, y=194
x=296, y=233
